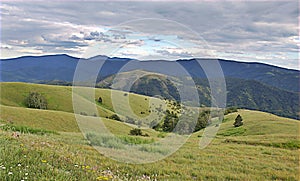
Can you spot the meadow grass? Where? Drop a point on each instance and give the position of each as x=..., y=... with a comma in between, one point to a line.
x=68, y=156
x=26, y=129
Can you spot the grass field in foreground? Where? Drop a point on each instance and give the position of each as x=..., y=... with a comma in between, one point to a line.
x=68, y=156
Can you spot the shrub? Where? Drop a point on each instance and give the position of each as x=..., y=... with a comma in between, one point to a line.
x=135, y=140
x=136, y=132
x=36, y=100
x=105, y=141
x=100, y=100
x=129, y=120
x=115, y=117
x=83, y=113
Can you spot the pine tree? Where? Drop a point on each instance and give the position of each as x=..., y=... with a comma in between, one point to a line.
x=238, y=121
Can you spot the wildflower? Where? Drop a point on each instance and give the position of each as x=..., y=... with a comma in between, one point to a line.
x=10, y=173
x=102, y=178
x=3, y=167
x=26, y=174
x=19, y=165
x=44, y=161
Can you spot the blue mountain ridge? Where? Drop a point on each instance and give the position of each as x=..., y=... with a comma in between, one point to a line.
x=62, y=67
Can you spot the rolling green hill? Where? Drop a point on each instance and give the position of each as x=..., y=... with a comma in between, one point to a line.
x=60, y=99
x=266, y=147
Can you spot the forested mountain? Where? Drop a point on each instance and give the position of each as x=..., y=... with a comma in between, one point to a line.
x=249, y=85
x=241, y=93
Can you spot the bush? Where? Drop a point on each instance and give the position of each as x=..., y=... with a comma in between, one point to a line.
x=115, y=117
x=83, y=113
x=36, y=100
x=100, y=100
x=136, y=132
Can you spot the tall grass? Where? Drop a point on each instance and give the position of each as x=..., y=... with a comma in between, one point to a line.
x=26, y=129
x=117, y=142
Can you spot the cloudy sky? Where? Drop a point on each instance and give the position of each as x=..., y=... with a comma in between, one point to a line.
x=250, y=31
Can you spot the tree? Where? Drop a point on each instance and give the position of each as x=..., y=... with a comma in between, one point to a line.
x=203, y=121
x=36, y=100
x=170, y=121
x=238, y=121
x=100, y=100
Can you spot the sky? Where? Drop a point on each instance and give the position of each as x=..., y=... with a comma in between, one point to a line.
x=250, y=31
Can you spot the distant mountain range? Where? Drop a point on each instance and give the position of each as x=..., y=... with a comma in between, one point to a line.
x=249, y=85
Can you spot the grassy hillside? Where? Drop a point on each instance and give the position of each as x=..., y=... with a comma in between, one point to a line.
x=68, y=156
x=35, y=118
x=57, y=120
x=60, y=98
x=266, y=147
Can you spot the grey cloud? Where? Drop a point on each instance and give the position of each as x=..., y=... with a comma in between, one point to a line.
x=173, y=54
x=226, y=26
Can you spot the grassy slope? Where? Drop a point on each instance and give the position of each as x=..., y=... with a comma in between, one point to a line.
x=252, y=152
x=57, y=120
x=60, y=98
x=221, y=160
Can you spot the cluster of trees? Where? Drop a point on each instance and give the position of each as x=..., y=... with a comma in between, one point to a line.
x=36, y=100
x=185, y=125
